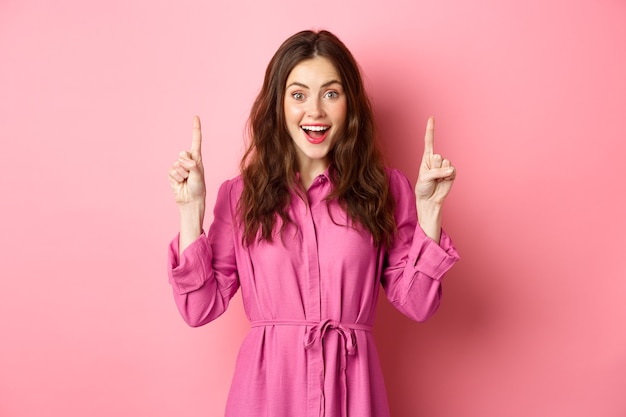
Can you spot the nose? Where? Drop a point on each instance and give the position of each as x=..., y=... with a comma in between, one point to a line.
x=316, y=108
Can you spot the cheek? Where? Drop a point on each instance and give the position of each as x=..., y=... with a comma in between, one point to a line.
x=292, y=113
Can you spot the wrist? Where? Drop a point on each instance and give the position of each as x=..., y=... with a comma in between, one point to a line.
x=427, y=208
x=192, y=207
x=429, y=218
x=192, y=216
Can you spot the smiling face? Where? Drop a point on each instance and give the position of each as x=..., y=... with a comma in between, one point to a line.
x=315, y=112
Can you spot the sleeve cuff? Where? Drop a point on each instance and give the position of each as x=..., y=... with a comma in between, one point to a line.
x=189, y=272
x=430, y=258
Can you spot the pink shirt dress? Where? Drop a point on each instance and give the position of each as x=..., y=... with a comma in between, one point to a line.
x=311, y=300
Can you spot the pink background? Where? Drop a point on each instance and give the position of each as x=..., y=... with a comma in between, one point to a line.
x=96, y=101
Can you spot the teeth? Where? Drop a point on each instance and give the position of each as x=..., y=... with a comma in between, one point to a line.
x=315, y=128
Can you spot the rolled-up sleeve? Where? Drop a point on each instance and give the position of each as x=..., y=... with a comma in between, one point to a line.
x=204, y=278
x=414, y=264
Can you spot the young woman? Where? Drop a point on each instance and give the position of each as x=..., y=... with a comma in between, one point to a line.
x=310, y=231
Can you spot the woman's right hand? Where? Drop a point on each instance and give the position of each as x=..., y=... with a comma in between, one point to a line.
x=186, y=175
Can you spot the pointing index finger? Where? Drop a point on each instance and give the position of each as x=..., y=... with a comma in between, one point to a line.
x=429, y=138
x=196, y=139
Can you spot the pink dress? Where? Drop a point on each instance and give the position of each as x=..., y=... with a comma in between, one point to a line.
x=311, y=300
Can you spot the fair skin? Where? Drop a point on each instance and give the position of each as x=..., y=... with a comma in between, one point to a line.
x=434, y=181
x=314, y=100
x=187, y=181
x=315, y=109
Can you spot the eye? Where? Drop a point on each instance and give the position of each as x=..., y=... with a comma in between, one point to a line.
x=297, y=96
x=331, y=94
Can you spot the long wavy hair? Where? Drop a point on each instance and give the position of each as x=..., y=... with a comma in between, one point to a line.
x=269, y=165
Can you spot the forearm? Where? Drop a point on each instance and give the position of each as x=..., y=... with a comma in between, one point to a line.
x=201, y=293
x=202, y=305
x=412, y=282
x=429, y=217
x=191, y=223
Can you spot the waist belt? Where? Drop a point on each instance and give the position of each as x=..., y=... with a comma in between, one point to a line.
x=313, y=341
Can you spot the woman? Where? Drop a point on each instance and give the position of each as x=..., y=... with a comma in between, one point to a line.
x=310, y=230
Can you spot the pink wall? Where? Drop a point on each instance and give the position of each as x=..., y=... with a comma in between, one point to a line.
x=530, y=101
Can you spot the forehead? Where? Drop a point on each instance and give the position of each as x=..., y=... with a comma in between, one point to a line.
x=317, y=70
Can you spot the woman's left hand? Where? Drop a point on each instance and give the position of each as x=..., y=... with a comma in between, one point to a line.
x=436, y=174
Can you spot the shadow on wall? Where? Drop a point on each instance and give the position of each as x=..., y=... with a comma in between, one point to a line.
x=422, y=361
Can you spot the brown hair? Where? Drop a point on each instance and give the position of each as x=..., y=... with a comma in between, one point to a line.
x=269, y=165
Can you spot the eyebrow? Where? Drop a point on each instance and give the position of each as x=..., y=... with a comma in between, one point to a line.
x=326, y=84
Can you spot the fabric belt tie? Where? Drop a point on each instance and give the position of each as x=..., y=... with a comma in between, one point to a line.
x=313, y=341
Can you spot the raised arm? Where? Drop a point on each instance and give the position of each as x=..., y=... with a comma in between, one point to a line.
x=436, y=176
x=414, y=264
x=202, y=268
x=186, y=178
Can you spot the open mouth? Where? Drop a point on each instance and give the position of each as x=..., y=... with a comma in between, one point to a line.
x=315, y=133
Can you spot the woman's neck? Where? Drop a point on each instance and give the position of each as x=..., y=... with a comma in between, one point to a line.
x=309, y=170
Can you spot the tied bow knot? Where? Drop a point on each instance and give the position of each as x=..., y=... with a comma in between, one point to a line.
x=313, y=341
x=316, y=334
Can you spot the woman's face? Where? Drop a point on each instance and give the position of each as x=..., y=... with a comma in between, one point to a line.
x=315, y=111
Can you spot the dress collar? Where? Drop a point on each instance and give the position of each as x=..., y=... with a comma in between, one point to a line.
x=325, y=174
